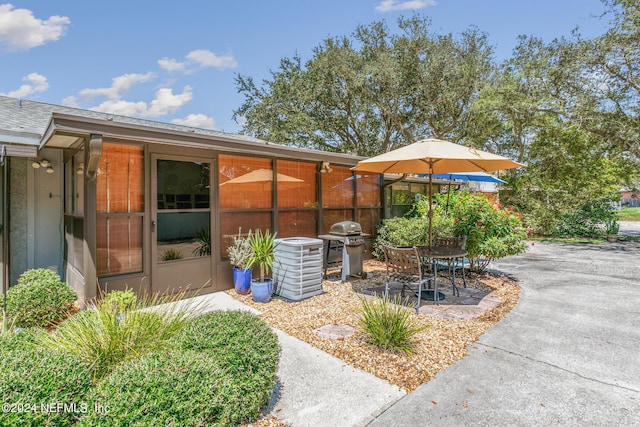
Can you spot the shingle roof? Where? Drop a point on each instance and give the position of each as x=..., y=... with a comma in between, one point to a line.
x=23, y=116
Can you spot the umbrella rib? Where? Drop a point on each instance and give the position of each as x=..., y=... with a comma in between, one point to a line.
x=478, y=166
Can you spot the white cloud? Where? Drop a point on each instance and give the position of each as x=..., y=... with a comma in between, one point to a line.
x=393, y=5
x=20, y=30
x=165, y=102
x=196, y=120
x=206, y=58
x=119, y=86
x=36, y=83
x=171, y=64
x=198, y=59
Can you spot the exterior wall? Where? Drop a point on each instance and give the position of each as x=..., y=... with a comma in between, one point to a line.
x=305, y=213
x=18, y=224
x=35, y=216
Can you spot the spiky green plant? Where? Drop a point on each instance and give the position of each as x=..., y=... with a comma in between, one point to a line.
x=263, y=246
x=203, y=237
x=171, y=254
x=105, y=336
x=389, y=324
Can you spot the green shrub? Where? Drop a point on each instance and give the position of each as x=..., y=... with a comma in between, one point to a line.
x=245, y=346
x=39, y=299
x=595, y=218
x=122, y=300
x=33, y=378
x=389, y=324
x=177, y=388
x=104, y=337
x=409, y=231
x=220, y=371
x=493, y=231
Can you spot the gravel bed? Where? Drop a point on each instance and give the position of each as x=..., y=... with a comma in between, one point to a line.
x=442, y=342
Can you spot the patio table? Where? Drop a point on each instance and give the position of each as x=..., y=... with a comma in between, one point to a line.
x=431, y=255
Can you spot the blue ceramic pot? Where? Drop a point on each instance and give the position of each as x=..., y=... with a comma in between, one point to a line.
x=261, y=291
x=242, y=280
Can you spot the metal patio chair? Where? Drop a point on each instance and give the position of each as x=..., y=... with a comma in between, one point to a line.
x=404, y=266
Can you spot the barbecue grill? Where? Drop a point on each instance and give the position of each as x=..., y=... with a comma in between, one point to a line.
x=344, y=246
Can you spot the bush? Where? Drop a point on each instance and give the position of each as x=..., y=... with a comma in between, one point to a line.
x=492, y=231
x=412, y=230
x=245, y=346
x=221, y=371
x=39, y=299
x=595, y=218
x=123, y=301
x=389, y=324
x=104, y=337
x=166, y=388
x=33, y=378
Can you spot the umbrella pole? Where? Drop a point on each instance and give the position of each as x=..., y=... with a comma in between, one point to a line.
x=430, y=214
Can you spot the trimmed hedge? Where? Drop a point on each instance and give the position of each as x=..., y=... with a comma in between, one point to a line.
x=39, y=299
x=33, y=378
x=221, y=371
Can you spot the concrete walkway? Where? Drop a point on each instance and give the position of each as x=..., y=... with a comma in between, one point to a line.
x=568, y=354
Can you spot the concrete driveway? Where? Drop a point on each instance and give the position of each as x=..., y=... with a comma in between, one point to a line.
x=568, y=354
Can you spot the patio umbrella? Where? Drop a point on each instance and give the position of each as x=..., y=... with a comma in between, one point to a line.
x=469, y=176
x=261, y=179
x=430, y=156
x=466, y=176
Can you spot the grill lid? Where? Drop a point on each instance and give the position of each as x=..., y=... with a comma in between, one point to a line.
x=345, y=228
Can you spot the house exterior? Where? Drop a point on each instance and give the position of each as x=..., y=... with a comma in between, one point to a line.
x=113, y=202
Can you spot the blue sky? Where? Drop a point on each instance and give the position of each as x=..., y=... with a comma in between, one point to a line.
x=176, y=61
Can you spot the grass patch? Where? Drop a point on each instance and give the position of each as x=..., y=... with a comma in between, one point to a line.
x=572, y=240
x=629, y=214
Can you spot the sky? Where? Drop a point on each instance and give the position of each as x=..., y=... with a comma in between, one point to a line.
x=177, y=61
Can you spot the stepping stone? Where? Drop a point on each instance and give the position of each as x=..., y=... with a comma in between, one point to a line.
x=335, y=332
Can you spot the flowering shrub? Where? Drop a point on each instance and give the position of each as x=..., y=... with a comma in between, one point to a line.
x=493, y=231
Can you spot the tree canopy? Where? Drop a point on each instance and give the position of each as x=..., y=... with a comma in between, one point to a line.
x=373, y=92
x=568, y=108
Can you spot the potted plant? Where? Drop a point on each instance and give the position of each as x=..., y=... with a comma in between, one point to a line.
x=239, y=253
x=263, y=247
x=612, y=228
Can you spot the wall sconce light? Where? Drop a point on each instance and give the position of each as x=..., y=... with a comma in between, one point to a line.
x=43, y=163
x=326, y=167
x=80, y=169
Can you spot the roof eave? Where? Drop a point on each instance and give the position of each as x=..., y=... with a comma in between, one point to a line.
x=64, y=130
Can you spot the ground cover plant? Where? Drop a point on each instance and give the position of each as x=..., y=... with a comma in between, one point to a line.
x=35, y=380
x=216, y=369
x=39, y=299
x=220, y=370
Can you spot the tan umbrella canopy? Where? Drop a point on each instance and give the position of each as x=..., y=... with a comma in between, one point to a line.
x=435, y=156
x=261, y=176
